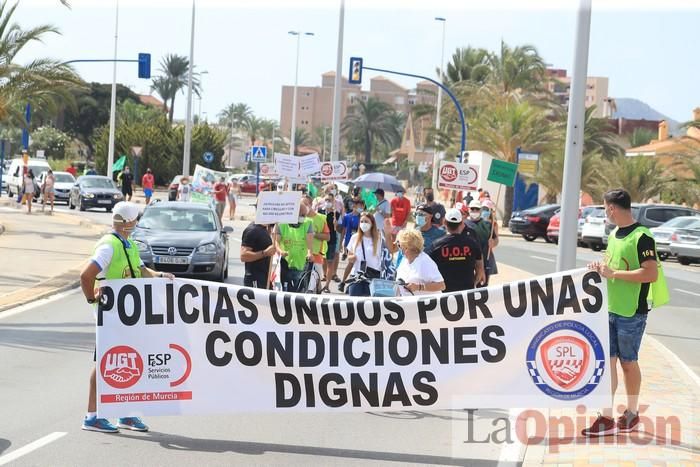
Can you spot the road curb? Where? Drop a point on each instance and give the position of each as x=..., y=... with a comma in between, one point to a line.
x=57, y=284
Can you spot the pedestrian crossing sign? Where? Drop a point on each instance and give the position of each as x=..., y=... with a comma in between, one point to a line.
x=258, y=154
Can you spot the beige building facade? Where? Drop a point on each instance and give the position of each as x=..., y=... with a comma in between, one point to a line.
x=315, y=104
x=596, y=91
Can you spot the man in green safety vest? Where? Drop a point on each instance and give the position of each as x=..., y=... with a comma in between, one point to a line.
x=634, y=277
x=115, y=257
x=294, y=243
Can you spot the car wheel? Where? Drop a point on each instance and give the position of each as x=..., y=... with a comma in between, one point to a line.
x=596, y=247
x=683, y=260
x=548, y=239
x=70, y=203
x=226, y=272
x=108, y=209
x=529, y=238
x=81, y=205
x=663, y=256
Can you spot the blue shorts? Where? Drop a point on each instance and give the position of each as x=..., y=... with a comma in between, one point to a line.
x=332, y=250
x=148, y=192
x=626, y=335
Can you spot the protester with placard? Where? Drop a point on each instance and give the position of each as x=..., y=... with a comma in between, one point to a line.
x=294, y=243
x=417, y=270
x=458, y=255
x=634, y=277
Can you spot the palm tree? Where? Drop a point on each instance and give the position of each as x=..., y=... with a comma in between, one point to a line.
x=368, y=122
x=45, y=83
x=517, y=69
x=235, y=116
x=641, y=137
x=642, y=176
x=175, y=69
x=163, y=87
x=598, y=137
x=254, y=127
x=468, y=64
x=301, y=138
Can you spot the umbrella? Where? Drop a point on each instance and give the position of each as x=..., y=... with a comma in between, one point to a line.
x=376, y=180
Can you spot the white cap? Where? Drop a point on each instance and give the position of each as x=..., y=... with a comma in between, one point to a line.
x=453, y=215
x=126, y=211
x=475, y=204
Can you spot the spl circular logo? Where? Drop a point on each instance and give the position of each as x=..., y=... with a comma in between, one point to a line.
x=327, y=170
x=566, y=360
x=121, y=367
x=448, y=173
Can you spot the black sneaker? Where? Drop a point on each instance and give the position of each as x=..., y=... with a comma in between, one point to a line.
x=603, y=426
x=627, y=422
x=341, y=287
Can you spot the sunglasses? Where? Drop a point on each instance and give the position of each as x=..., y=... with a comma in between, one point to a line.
x=475, y=209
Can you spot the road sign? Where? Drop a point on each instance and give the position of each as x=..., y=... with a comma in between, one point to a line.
x=502, y=172
x=457, y=176
x=527, y=163
x=208, y=157
x=144, y=65
x=355, y=70
x=258, y=153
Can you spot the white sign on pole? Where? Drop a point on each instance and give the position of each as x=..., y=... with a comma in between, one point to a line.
x=268, y=169
x=458, y=177
x=193, y=347
x=334, y=170
x=286, y=165
x=276, y=207
x=309, y=165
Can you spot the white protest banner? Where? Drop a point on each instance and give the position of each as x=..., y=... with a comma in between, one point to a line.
x=268, y=169
x=287, y=165
x=275, y=207
x=334, y=170
x=309, y=165
x=457, y=176
x=203, y=181
x=192, y=347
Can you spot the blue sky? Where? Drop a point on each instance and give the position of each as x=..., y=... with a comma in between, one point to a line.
x=646, y=51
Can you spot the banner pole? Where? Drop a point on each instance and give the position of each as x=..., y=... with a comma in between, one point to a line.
x=498, y=196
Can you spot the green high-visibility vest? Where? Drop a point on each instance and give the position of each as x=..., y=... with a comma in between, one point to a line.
x=319, y=223
x=119, y=266
x=623, y=296
x=294, y=243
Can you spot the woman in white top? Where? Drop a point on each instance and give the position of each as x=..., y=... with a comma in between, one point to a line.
x=365, y=255
x=28, y=189
x=184, y=190
x=417, y=270
x=48, y=190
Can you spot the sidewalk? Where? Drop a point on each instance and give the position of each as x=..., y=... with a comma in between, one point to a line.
x=43, y=254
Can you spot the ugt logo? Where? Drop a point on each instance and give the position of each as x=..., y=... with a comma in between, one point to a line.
x=571, y=356
x=449, y=173
x=121, y=367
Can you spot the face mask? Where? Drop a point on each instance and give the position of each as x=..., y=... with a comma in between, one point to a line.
x=302, y=219
x=333, y=192
x=420, y=221
x=430, y=198
x=399, y=195
x=485, y=214
x=327, y=205
x=475, y=215
x=359, y=210
x=365, y=226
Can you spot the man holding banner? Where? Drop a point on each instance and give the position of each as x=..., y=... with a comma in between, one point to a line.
x=634, y=276
x=256, y=251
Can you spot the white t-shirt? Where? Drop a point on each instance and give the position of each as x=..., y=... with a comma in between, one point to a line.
x=183, y=192
x=382, y=211
x=422, y=270
x=373, y=261
x=103, y=256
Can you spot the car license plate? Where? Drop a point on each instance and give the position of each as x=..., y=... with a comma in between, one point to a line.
x=517, y=219
x=104, y=201
x=171, y=259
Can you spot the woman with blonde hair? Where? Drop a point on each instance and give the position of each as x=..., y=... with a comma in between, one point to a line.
x=417, y=270
x=365, y=255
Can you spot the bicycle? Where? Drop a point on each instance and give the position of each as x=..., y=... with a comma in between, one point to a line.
x=378, y=287
x=309, y=281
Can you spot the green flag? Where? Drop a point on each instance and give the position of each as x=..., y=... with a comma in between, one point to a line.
x=119, y=165
x=311, y=189
x=369, y=198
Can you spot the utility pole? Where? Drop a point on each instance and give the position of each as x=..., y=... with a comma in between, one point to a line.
x=188, y=121
x=337, y=87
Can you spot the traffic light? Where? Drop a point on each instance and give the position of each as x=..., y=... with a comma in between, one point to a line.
x=144, y=65
x=355, y=70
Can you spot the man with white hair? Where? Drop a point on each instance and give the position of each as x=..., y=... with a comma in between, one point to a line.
x=115, y=257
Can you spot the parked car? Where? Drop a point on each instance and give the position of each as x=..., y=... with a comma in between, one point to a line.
x=669, y=232
x=64, y=183
x=532, y=223
x=583, y=212
x=172, y=188
x=16, y=173
x=686, y=246
x=94, y=191
x=186, y=239
x=653, y=215
x=247, y=182
x=593, y=230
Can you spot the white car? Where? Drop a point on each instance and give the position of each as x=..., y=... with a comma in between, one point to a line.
x=16, y=173
x=686, y=246
x=64, y=182
x=593, y=230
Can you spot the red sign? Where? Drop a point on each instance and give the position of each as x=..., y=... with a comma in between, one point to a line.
x=121, y=367
x=565, y=358
x=457, y=176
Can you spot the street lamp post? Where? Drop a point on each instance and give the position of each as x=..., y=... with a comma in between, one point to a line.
x=337, y=85
x=292, y=144
x=188, y=121
x=113, y=102
x=201, y=91
x=436, y=159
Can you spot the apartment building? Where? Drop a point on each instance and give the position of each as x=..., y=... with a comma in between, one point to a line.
x=596, y=91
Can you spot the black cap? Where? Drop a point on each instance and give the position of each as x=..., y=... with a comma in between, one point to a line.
x=379, y=191
x=425, y=208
